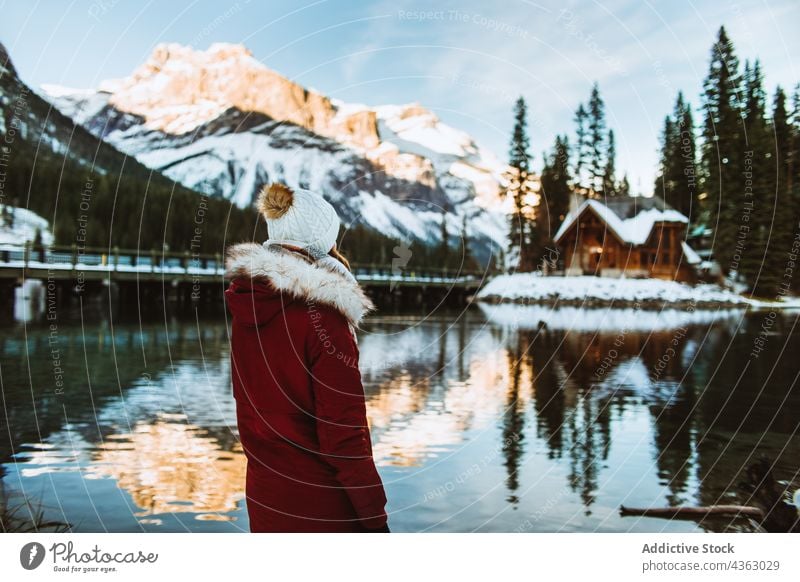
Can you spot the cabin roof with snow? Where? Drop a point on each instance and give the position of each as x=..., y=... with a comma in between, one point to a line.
x=630, y=218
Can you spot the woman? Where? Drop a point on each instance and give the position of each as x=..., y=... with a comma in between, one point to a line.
x=299, y=400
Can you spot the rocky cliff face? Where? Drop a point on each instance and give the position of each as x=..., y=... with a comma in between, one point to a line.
x=178, y=88
x=223, y=123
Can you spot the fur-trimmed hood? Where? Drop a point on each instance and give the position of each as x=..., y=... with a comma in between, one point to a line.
x=292, y=275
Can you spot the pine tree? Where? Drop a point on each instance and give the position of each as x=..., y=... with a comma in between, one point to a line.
x=676, y=182
x=581, y=154
x=118, y=210
x=776, y=210
x=609, y=175
x=793, y=155
x=786, y=210
x=519, y=154
x=556, y=190
x=596, y=138
x=624, y=188
x=793, y=172
x=686, y=192
x=756, y=266
x=663, y=186
x=793, y=163
x=524, y=244
x=721, y=157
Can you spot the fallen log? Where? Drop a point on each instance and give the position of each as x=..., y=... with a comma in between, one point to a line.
x=691, y=512
x=769, y=498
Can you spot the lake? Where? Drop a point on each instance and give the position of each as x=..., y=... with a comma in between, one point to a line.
x=490, y=418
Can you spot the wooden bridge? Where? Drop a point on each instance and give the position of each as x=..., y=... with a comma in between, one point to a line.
x=77, y=267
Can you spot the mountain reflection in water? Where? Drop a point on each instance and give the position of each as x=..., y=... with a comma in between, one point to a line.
x=499, y=418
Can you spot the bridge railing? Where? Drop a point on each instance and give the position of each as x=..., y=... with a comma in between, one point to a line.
x=116, y=259
x=378, y=272
x=112, y=258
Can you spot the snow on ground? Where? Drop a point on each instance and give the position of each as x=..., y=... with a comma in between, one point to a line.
x=529, y=317
x=24, y=226
x=534, y=288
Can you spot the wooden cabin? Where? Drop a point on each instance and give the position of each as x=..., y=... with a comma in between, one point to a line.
x=632, y=236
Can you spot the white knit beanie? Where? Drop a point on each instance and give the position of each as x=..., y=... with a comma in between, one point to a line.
x=299, y=217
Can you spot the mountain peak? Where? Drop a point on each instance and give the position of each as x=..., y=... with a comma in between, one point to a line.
x=178, y=89
x=229, y=49
x=218, y=52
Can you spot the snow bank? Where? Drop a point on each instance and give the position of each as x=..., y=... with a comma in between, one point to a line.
x=534, y=288
x=23, y=227
x=531, y=317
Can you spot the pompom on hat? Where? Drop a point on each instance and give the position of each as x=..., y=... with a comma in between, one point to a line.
x=299, y=217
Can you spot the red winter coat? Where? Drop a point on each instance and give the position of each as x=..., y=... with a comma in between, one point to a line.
x=299, y=399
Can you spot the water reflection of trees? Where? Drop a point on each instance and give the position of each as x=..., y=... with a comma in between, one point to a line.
x=748, y=406
x=450, y=381
x=710, y=415
x=574, y=424
x=461, y=377
x=433, y=386
x=580, y=381
x=514, y=416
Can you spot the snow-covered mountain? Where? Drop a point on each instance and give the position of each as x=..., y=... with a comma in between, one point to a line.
x=222, y=123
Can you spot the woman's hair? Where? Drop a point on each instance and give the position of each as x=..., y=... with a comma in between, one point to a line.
x=336, y=254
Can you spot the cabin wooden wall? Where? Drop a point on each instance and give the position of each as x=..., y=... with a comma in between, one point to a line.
x=660, y=257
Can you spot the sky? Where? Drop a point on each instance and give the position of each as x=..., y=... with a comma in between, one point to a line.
x=466, y=60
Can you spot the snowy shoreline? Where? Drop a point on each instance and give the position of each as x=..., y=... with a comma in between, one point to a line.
x=582, y=291
x=603, y=319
